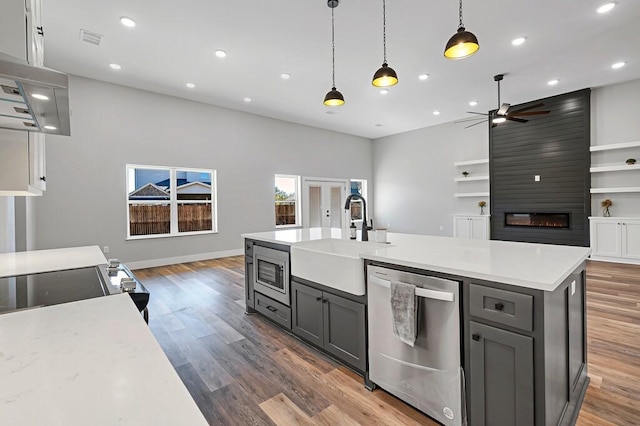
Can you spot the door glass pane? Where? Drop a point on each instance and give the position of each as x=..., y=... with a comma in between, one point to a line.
x=315, y=206
x=336, y=206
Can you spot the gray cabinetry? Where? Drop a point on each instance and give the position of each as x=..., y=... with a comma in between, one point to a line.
x=501, y=377
x=331, y=322
x=525, y=353
x=248, y=284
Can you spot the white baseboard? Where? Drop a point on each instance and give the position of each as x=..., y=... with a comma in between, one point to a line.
x=616, y=260
x=152, y=263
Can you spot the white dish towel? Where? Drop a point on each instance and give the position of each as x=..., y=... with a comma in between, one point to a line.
x=404, y=310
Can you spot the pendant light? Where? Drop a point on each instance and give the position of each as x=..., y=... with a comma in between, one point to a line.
x=385, y=76
x=463, y=43
x=333, y=98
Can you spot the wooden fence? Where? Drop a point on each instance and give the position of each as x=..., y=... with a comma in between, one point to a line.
x=149, y=219
x=285, y=213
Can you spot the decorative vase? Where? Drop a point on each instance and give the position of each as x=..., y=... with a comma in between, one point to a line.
x=481, y=210
x=606, y=212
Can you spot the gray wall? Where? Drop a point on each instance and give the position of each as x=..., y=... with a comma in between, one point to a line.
x=615, y=119
x=85, y=201
x=414, y=177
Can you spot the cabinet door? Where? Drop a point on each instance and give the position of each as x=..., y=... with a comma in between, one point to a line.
x=631, y=239
x=501, y=377
x=606, y=238
x=307, y=313
x=478, y=228
x=13, y=29
x=248, y=283
x=37, y=164
x=461, y=227
x=344, y=330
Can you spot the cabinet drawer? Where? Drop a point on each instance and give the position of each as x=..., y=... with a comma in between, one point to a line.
x=248, y=248
x=501, y=306
x=276, y=311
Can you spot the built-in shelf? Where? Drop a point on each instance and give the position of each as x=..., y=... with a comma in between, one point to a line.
x=615, y=168
x=471, y=162
x=608, y=147
x=473, y=194
x=612, y=190
x=464, y=179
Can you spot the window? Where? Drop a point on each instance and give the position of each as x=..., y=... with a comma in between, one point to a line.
x=169, y=201
x=287, y=200
x=357, y=186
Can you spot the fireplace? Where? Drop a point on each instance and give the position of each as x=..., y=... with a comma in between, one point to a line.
x=538, y=220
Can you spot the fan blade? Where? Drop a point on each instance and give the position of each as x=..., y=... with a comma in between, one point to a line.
x=466, y=120
x=519, y=120
x=478, y=113
x=527, y=108
x=503, y=109
x=475, y=124
x=519, y=114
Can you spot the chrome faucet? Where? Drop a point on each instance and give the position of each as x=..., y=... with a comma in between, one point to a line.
x=365, y=226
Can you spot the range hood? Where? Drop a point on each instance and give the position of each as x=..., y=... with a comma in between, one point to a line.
x=33, y=99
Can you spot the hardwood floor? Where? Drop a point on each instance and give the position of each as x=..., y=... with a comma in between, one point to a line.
x=242, y=370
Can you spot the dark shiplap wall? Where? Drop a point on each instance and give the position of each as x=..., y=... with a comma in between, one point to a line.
x=554, y=146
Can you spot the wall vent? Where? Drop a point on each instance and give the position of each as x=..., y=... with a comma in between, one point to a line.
x=90, y=37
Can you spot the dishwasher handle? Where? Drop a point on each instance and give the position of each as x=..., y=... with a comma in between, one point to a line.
x=420, y=292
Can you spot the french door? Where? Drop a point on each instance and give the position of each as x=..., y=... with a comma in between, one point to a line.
x=323, y=203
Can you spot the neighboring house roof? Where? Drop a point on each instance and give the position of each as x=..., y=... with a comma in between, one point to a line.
x=194, y=188
x=180, y=181
x=149, y=191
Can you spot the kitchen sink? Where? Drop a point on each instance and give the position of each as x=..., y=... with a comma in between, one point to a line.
x=333, y=263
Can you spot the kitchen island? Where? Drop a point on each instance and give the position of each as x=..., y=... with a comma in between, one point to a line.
x=522, y=317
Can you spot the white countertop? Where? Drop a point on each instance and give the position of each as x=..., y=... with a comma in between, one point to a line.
x=92, y=362
x=36, y=261
x=535, y=266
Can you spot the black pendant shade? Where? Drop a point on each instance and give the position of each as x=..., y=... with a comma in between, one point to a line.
x=462, y=45
x=385, y=76
x=333, y=98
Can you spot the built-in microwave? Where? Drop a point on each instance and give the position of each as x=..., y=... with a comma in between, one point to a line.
x=271, y=273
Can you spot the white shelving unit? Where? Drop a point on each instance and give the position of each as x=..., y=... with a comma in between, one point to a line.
x=471, y=178
x=471, y=194
x=472, y=162
x=609, y=147
x=612, y=190
x=611, y=184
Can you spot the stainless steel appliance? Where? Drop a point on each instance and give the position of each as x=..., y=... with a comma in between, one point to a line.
x=52, y=288
x=427, y=376
x=271, y=273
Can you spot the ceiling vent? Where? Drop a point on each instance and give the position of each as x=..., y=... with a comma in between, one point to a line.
x=90, y=37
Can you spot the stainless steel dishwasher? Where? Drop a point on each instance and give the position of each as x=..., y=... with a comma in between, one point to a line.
x=427, y=376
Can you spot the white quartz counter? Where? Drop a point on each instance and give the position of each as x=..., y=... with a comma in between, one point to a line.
x=535, y=266
x=36, y=261
x=92, y=362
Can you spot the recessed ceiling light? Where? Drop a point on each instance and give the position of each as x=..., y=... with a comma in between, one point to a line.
x=246, y=99
x=473, y=103
x=51, y=127
x=606, y=7
x=518, y=41
x=40, y=97
x=127, y=22
x=190, y=85
x=553, y=82
x=115, y=66
x=618, y=65
x=423, y=76
x=221, y=54
x=285, y=76
x=384, y=91
x=436, y=112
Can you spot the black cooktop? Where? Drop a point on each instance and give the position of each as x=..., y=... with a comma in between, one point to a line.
x=50, y=288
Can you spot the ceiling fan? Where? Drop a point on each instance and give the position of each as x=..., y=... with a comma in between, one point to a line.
x=504, y=113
